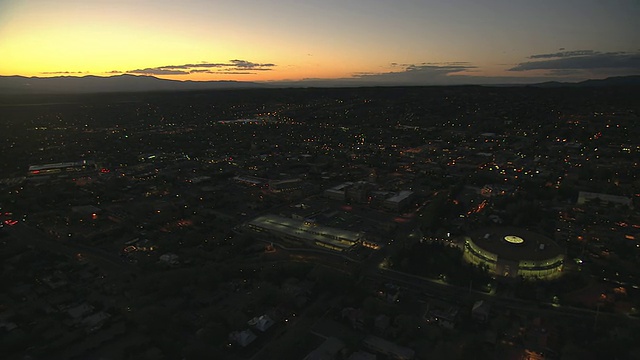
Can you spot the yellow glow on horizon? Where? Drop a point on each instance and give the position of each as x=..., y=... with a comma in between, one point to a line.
x=77, y=42
x=83, y=40
x=98, y=51
x=95, y=50
x=431, y=42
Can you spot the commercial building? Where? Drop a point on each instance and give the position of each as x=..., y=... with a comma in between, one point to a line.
x=357, y=192
x=250, y=180
x=63, y=168
x=585, y=196
x=338, y=192
x=305, y=232
x=514, y=252
x=399, y=201
x=277, y=186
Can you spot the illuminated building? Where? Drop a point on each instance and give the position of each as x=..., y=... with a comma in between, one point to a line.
x=63, y=168
x=305, y=232
x=514, y=252
x=285, y=185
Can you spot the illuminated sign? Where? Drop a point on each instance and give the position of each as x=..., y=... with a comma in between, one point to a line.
x=513, y=239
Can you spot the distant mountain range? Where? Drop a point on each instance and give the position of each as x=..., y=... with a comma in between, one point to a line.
x=134, y=83
x=631, y=80
x=118, y=83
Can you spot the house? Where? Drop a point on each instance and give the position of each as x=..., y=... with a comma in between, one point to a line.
x=169, y=259
x=262, y=322
x=389, y=292
x=242, y=338
x=95, y=321
x=443, y=314
x=80, y=310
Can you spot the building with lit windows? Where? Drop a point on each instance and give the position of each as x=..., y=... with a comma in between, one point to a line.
x=513, y=253
x=278, y=186
x=305, y=232
x=64, y=168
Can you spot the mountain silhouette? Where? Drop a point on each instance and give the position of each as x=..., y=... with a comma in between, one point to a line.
x=631, y=80
x=118, y=83
x=141, y=83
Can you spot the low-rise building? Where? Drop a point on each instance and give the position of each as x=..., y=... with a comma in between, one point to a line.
x=338, y=192
x=242, y=338
x=262, y=323
x=305, y=232
x=399, y=201
x=585, y=196
x=278, y=186
x=392, y=350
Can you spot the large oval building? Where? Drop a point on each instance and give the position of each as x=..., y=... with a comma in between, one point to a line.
x=514, y=252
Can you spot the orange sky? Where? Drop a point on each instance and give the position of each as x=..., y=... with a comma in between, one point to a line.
x=293, y=40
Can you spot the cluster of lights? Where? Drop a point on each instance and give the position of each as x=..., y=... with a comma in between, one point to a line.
x=513, y=239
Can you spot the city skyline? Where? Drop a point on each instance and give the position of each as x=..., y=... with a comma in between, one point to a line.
x=328, y=42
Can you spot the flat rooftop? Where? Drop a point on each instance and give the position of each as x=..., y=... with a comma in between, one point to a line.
x=400, y=196
x=514, y=243
x=59, y=165
x=306, y=231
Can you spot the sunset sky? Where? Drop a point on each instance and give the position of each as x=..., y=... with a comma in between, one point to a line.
x=401, y=41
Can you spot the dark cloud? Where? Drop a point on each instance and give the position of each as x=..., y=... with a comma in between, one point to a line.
x=464, y=63
x=364, y=73
x=236, y=72
x=190, y=66
x=582, y=60
x=61, y=72
x=445, y=73
x=416, y=74
x=243, y=64
x=563, y=54
x=236, y=66
x=158, y=71
x=207, y=71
